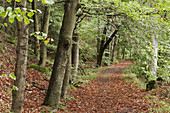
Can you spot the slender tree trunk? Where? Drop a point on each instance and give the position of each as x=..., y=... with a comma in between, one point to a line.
x=98, y=39
x=75, y=53
x=110, y=49
x=103, y=46
x=115, y=48
x=21, y=62
x=118, y=49
x=66, y=76
x=130, y=52
x=154, y=54
x=36, y=28
x=101, y=51
x=99, y=59
x=64, y=44
x=123, y=52
x=98, y=47
x=154, y=58
x=43, y=48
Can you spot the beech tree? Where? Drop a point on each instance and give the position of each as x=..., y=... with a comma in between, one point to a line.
x=64, y=45
x=45, y=26
x=36, y=28
x=21, y=63
x=104, y=45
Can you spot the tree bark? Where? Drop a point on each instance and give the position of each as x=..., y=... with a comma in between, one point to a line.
x=154, y=59
x=115, y=49
x=21, y=62
x=36, y=28
x=123, y=52
x=103, y=46
x=66, y=76
x=98, y=39
x=43, y=48
x=64, y=44
x=75, y=53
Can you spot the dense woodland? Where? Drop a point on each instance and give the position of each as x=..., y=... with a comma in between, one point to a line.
x=64, y=42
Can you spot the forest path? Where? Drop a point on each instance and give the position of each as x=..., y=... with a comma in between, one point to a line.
x=109, y=93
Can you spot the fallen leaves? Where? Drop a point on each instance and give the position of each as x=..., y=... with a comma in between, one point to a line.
x=108, y=93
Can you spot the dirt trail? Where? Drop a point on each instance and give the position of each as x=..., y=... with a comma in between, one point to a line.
x=109, y=94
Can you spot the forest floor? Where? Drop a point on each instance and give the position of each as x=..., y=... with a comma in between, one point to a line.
x=108, y=93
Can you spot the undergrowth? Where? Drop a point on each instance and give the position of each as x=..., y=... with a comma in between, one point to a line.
x=46, y=71
x=154, y=95
x=90, y=74
x=134, y=79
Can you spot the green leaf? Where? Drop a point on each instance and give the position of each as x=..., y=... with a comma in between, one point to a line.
x=3, y=75
x=23, y=13
x=31, y=10
x=17, y=10
x=31, y=20
x=3, y=14
x=46, y=41
x=32, y=34
x=37, y=32
x=18, y=0
x=30, y=0
x=11, y=75
x=15, y=88
x=9, y=9
x=5, y=24
x=40, y=37
x=1, y=8
x=9, y=0
x=39, y=11
x=26, y=20
x=44, y=34
x=30, y=14
x=48, y=2
x=11, y=20
x=24, y=9
x=19, y=18
x=43, y=1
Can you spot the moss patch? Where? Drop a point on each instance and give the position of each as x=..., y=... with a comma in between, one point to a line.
x=44, y=70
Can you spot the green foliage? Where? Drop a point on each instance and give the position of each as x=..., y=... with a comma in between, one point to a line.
x=48, y=2
x=163, y=107
x=81, y=79
x=44, y=70
x=14, y=88
x=11, y=40
x=134, y=79
x=19, y=14
x=41, y=36
x=11, y=75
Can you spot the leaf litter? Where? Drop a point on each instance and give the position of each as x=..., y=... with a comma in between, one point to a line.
x=105, y=94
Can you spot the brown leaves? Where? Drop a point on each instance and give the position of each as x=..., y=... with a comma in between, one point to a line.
x=104, y=94
x=109, y=94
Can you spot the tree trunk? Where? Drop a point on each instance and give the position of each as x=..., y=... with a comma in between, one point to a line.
x=118, y=49
x=43, y=48
x=154, y=58
x=36, y=28
x=66, y=76
x=99, y=59
x=154, y=54
x=115, y=49
x=103, y=46
x=75, y=54
x=21, y=62
x=123, y=52
x=64, y=44
x=98, y=39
